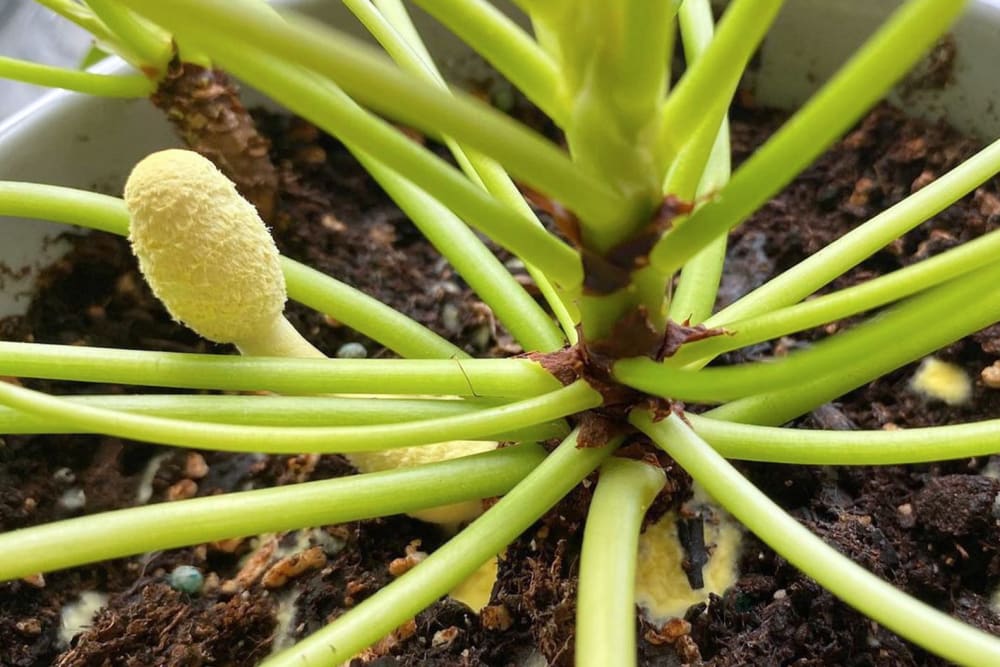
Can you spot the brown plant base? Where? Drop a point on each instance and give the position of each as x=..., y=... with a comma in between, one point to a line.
x=204, y=106
x=929, y=529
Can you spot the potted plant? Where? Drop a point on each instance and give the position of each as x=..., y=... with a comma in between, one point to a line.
x=643, y=193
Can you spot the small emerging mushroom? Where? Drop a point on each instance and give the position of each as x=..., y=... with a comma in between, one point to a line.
x=208, y=257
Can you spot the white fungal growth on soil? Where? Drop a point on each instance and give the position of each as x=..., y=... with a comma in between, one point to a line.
x=77, y=616
x=232, y=287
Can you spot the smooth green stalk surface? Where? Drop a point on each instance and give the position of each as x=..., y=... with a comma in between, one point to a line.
x=105, y=41
x=278, y=411
x=101, y=85
x=391, y=26
x=72, y=542
x=296, y=439
x=869, y=74
x=371, y=80
x=612, y=57
x=605, y=620
x=79, y=14
x=329, y=108
x=786, y=445
x=451, y=564
x=709, y=83
x=921, y=624
x=152, y=46
x=369, y=316
x=862, y=242
x=507, y=47
x=902, y=334
x=846, y=302
x=305, y=285
x=503, y=378
x=486, y=170
x=514, y=307
x=915, y=339
x=699, y=172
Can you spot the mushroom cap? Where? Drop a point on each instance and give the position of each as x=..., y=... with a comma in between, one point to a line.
x=202, y=247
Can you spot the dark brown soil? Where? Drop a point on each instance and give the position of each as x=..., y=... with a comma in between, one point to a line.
x=929, y=529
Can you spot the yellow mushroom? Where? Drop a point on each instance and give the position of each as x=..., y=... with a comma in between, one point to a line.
x=209, y=258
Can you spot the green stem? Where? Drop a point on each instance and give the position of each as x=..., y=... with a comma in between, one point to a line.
x=846, y=302
x=69, y=543
x=903, y=334
x=507, y=47
x=822, y=267
x=324, y=104
x=305, y=285
x=504, y=378
x=369, y=316
x=613, y=110
x=152, y=46
x=709, y=83
x=101, y=85
x=875, y=598
x=451, y=564
x=859, y=84
x=702, y=168
x=487, y=276
x=278, y=411
x=295, y=439
x=105, y=40
x=643, y=62
x=605, y=620
x=785, y=445
x=378, y=84
x=392, y=27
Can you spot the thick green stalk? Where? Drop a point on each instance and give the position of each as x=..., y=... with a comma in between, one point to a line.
x=329, y=108
x=391, y=26
x=903, y=334
x=612, y=57
x=503, y=378
x=305, y=285
x=126, y=532
x=860, y=243
x=295, y=439
x=846, y=302
x=913, y=340
x=82, y=16
x=514, y=307
x=369, y=316
x=152, y=46
x=772, y=444
x=507, y=47
x=451, y=564
x=278, y=411
x=378, y=84
x=105, y=40
x=859, y=84
x=101, y=85
x=700, y=170
x=914, y=620
x=605, y=620
x=709, y=83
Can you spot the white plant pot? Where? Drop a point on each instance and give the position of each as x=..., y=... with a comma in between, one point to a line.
x=84, y=142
